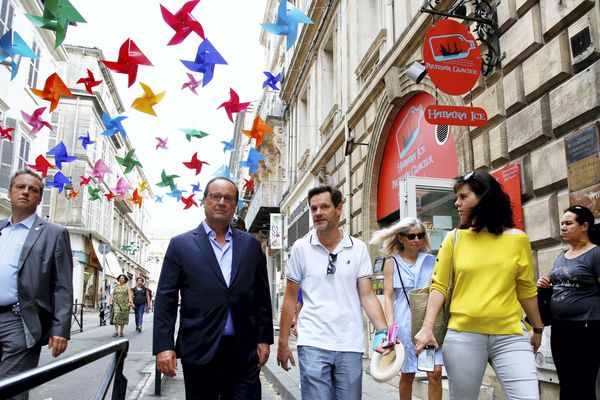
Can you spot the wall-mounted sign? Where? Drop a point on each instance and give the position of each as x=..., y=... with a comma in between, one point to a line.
x=452, y=57
x=275, y=231
x=455, y=115
x=583, y=164
x=510, y=179
x=413, y=149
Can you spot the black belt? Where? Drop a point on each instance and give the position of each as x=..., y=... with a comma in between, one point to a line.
x=7, y=308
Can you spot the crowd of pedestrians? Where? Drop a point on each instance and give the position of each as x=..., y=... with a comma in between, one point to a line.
x=215, y=277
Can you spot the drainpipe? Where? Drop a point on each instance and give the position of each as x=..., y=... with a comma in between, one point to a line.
x=344, y=69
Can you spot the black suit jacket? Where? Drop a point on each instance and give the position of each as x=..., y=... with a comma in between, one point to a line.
x=190, y=269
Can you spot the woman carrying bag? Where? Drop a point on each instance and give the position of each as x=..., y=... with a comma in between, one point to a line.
x=120, y=300
x=493, y=283
x=408, y=267
x=574, y=283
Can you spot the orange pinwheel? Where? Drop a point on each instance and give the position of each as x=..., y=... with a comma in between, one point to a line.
x=54, y=88
x=136, y=198
x=258, y=131
x=72, y=194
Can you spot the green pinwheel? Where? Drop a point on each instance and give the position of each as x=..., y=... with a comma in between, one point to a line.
x=94, y=193
x=128, y=162
x=167, y=180
x=57, y=16
x=190, y=133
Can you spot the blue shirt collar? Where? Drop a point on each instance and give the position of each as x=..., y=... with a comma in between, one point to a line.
x=27, y=222
x=212, y=234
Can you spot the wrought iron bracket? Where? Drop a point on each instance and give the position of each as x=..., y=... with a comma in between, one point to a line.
x=486, y=20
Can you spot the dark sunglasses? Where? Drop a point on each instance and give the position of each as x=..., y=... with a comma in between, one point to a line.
x=412, y=236
x=330, y=265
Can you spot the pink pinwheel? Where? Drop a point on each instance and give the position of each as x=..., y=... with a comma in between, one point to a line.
x=122, y=187
x=35, y=120
x=182, y=22
x=233, y=105
x=100, y=169
x=192, y=84
x=162, y=143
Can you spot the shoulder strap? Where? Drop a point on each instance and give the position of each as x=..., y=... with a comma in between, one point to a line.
x=400, y=276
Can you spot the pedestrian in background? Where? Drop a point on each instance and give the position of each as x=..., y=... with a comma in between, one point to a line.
x=121, y=300
x=409, y=266
x=36, y=280
x=141, y=302
x=493, y=284
x=335, y=272
x=226, y=322
x=575, y=305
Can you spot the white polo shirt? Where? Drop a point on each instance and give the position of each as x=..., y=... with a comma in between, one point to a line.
x=331, y=317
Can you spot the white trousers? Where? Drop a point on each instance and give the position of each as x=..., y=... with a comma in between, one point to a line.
x=511, y=356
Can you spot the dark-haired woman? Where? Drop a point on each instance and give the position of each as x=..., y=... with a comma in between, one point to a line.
x=121, y=300
x=493, y=284
x=575, y=305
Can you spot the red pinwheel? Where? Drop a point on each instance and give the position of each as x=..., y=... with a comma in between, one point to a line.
x=248, y=185
x=110, y=195
x=5, y=133
x=89, y=81
x=194, y=163
x=85, y=180
x=189, y=201
x=130, y=58
x=233, y=105
x=41, y=165
x=182, y=22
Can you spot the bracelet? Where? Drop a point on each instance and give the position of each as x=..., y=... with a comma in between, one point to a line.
x=379, y=338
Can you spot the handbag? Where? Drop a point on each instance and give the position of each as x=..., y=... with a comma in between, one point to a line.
x=418, y=306
x=544, y=296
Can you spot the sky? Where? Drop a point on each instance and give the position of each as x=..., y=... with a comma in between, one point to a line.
x=233, y=27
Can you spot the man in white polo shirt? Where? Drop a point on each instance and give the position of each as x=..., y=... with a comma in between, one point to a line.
x=334, y=270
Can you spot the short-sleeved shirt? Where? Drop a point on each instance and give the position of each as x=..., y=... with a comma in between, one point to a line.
x=139, y=295
x=331, y=317
x=576, y=290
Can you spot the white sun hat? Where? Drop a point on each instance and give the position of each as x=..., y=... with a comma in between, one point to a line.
x=384, y=368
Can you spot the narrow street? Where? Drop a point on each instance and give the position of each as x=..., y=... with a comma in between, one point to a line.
x=139, y=366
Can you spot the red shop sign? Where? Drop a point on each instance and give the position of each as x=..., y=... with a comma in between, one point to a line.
x=452, y=57
x=455, y=115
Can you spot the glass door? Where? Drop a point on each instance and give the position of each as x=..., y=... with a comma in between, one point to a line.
x=432, y=201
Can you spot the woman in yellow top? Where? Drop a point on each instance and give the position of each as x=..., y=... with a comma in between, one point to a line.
x=493, y=284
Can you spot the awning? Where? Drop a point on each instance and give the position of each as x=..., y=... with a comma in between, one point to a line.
x=109, y=262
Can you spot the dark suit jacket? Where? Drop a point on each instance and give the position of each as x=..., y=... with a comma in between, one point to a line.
x=45, y=281
x=190, y=269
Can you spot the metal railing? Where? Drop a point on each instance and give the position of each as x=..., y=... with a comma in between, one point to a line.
x=28, y=380
x=268, y=194
x=77, y=319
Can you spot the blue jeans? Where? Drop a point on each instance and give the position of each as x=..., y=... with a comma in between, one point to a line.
x=139, y=314
x=328, y=375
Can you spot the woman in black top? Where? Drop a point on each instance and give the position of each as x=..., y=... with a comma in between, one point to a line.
x=575, y=305
x=141, y=300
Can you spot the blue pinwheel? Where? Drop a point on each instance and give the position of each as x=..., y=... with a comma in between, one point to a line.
x=287, y=22
x=113, y=125
x=60, y=155
x=85, y=140
x=176, y=193
x=196, y=187
x=227, y=145
x=223, y=171
x=251, y=162
x=158, y=199
x=13, y=46
x=59, y=181
x=206, y=59
x=271, y=80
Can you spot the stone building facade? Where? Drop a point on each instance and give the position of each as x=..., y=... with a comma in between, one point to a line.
x=345, y=79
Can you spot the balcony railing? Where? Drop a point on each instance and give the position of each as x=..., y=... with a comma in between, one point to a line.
x=268, y=195
x=272, y=106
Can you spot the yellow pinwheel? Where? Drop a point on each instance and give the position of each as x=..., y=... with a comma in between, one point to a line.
x=148, y=100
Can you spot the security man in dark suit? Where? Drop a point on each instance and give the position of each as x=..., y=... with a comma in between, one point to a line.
x=36, y=280
x=226, y=323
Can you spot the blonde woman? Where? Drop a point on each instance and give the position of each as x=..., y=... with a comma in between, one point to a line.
x=408, y=267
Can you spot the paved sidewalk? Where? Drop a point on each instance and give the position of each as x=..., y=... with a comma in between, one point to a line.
x=287, y=383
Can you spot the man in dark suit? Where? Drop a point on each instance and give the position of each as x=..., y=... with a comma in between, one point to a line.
x=36, y=285
x=226, y=323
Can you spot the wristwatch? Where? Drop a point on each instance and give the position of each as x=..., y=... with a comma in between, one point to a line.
x=538, y=330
